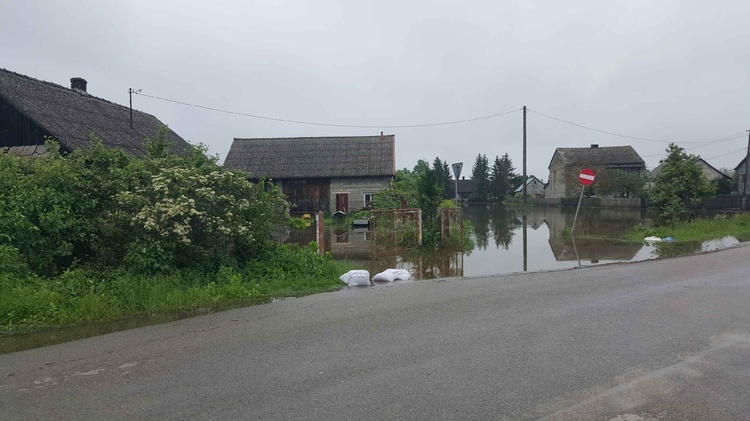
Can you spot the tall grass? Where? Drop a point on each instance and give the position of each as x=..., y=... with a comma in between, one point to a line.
x=78, y=296
x=698, y=230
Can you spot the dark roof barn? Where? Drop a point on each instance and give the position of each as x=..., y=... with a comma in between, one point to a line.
x=314, y=157
x=615, y=156
x=71, y=116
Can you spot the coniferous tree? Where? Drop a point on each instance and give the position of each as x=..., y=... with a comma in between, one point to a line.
x=480, y=173
x=443, y=177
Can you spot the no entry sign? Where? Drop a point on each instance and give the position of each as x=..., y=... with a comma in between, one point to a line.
x=587, y=177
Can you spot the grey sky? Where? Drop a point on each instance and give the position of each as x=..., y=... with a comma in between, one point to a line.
x=665, y=70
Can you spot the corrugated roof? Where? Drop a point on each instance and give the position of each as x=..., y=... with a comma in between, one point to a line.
x=604, y=155
x=71, y=115
x=314, y=157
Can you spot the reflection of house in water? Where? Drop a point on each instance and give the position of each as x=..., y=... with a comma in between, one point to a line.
x=609, y=223
x=593, y=250
x=349, y=243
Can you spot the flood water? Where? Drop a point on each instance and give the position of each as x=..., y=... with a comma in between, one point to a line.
x=509, y=240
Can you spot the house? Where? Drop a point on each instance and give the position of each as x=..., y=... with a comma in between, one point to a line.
x=320, y=173
x=567, y=163
x=32, y=109
x=709, y=171
x=534, y=188
x=465, y=189
x=742, y=176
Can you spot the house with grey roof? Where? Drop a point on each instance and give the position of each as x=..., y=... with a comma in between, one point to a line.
x=465, y=189
x=32, y=109
x=320, y=173
x=566, y=165
x=709, y=171
x=742, y=176
x=534, y=188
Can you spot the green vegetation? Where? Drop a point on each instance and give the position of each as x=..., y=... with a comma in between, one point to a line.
x=698, y=230
x=480, y=173
x=619, y=183
x=98, y=234
x=679, y=186
x=424, y=188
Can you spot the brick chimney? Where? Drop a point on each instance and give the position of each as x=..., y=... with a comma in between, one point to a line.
x=381, y=136
x=78, y=83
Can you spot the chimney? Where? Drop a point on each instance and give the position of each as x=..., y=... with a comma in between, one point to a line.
x=381, y=136
x=594, y=146
x=78, y=83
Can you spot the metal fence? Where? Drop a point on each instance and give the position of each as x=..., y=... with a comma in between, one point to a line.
x=451, y=227
x=395, y=230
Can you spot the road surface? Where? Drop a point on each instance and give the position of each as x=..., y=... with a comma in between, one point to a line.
x=657, y=340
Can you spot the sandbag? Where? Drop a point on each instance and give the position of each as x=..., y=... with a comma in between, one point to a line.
x=390, y=275
x=356, y=277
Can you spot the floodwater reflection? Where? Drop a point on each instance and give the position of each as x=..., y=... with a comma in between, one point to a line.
x=509, y=240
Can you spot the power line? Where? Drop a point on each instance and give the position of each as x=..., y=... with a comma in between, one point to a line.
x=728, y=153
x=699, y=146
x=312, y=123
x=631, y=137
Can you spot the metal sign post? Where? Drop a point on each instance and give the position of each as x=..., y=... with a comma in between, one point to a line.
x=457, y=173
x=586, y=177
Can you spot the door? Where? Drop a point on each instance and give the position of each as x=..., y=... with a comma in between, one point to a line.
x=342, y=202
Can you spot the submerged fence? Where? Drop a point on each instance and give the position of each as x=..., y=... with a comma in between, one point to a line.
x=395, y=230
x=451, y=227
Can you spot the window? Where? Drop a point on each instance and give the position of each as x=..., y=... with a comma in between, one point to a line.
x=368, y=199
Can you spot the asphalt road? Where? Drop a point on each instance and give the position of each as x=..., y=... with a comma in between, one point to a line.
x=666, y=339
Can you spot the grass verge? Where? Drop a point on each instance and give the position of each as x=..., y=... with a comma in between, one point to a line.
x=78, y=296
x=698, y=230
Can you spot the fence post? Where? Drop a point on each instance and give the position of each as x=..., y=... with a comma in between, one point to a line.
x=320, y=233
x=419, y=227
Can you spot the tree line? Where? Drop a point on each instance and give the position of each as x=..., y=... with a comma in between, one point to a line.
x=493, y=183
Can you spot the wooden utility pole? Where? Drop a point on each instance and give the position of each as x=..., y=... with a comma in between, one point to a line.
x=524, y=156
x=130, y=93
x=747, y=158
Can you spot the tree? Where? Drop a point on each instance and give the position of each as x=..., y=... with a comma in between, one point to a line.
x=619, y=183
x=428, y=198
x=502, y=179
x=679, y=186
x=480, y=173
x=444, y=178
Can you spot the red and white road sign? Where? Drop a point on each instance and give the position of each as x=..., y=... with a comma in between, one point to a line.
x=587, y=176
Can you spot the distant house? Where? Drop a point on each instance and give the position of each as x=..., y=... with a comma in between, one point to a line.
x=32, y=109
x=534, y=188
x=567, y=163
x=465, y=189
x=741, y=170
x=709, y=171
x=320, y=173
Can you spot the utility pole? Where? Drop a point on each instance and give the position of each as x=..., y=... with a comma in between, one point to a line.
x=130, y=93
x=747, y=158
x=524, y=156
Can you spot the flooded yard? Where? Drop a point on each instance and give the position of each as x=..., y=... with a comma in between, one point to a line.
x=506, y=240
x=509, y=240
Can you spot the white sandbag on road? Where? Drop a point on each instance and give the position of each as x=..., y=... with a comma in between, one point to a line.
x=390, y=275
x=356, y=278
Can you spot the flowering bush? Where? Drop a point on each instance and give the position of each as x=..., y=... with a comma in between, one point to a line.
x=152, y=214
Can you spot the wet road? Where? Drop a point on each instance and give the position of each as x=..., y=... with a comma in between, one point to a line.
x=666, y=339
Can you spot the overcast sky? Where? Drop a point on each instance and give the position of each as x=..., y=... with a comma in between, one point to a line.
x=662, y=70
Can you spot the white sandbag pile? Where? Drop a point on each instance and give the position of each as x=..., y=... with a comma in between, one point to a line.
x=356, y=278
x=390, y=275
